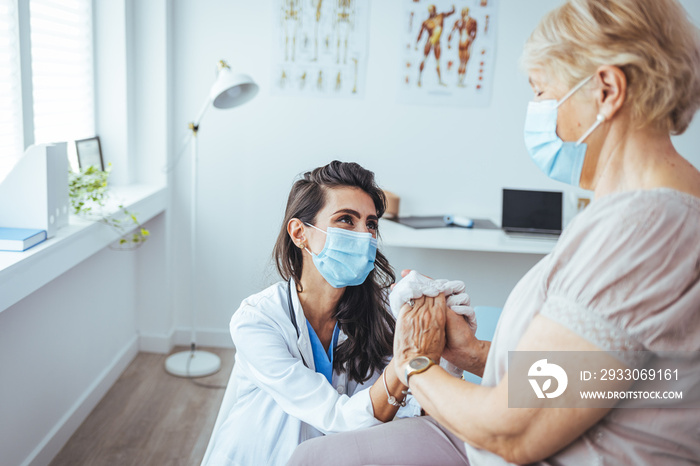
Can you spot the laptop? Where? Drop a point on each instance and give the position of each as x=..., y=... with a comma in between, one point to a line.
x=532, y=212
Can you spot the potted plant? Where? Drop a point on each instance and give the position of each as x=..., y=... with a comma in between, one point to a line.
x=89, y=193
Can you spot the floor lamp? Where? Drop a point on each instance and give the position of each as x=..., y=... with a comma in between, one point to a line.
x=230, y=90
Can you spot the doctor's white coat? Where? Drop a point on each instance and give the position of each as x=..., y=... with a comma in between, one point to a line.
x=279, y=401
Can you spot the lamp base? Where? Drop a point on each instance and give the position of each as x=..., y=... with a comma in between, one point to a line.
x=192, y=364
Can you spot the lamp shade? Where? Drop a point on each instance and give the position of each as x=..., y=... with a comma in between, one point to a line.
x=231, y=90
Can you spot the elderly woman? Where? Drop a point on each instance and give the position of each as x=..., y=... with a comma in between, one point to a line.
x=612, y=79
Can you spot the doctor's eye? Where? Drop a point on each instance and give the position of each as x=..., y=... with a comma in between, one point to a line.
x=345, y=219
x=372, y=226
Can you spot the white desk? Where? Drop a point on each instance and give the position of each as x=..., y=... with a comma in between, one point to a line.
x=465, y=239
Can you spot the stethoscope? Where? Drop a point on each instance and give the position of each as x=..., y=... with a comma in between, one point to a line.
x=292, y=315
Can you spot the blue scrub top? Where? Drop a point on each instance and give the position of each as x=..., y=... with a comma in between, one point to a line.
x=322, y=360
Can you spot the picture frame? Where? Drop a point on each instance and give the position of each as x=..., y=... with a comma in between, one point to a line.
x=89, y=152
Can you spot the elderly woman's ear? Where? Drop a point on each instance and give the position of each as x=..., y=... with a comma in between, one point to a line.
x=611, y=90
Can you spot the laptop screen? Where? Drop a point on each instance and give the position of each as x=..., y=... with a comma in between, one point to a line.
x=532, y=211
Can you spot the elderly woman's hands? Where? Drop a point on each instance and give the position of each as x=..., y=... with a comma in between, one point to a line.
x=420, y=331
x=462, y=348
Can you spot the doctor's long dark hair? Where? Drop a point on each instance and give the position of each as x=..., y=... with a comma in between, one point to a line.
x=363, y=312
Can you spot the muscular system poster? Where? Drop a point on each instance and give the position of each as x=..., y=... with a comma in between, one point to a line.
x=321, y=47
x=448, y=52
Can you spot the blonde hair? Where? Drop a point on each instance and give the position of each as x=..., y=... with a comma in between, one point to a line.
x=651, y=41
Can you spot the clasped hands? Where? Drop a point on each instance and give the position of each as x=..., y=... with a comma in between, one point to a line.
x=435, y=325
x=420, y=331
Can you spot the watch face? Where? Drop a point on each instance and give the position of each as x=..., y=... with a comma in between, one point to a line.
x=419, y=363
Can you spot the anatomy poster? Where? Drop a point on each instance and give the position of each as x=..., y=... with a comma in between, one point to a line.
x=447, y=52
x=321, y=47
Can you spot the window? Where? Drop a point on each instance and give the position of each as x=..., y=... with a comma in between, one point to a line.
x=60, y=57
x=62, y=70
x=11, y=140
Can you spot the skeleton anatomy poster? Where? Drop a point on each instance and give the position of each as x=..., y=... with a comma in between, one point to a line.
x=448, y=52
x=322, y=47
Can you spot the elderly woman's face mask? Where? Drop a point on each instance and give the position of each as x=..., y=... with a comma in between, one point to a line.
x=558, y=159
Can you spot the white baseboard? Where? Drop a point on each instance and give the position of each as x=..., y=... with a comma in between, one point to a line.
x=52, y=443
x=164, y=343
x=217, y=338
x=152, y=343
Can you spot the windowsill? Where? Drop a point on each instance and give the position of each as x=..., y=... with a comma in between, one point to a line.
x=22, y=273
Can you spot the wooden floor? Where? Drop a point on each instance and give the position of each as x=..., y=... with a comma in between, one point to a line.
x=149, y=418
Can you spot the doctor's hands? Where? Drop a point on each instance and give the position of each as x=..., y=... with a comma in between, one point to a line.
x=404, y=272
x=420, y=331
x=414, y=285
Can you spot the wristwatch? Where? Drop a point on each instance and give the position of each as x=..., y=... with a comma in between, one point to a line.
x=417, y=365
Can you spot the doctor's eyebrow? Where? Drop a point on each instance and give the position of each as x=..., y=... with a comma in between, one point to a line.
x=355, y=213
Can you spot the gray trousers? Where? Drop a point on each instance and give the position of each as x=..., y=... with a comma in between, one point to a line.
x=411, y=441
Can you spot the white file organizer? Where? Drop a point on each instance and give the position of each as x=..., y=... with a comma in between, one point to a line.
x=35, y=193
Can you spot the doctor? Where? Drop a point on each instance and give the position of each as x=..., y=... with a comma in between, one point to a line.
x=311, y=350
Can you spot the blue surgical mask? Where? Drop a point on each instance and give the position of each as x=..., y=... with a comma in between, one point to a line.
x=347, y=257
x=559, y=160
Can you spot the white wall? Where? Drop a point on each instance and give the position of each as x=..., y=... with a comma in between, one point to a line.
x=438, y=159
x=58, y=344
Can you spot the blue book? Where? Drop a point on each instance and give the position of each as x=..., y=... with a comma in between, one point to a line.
x=20, y=239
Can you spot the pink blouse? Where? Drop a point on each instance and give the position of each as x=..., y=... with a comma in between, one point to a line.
x=625, y=275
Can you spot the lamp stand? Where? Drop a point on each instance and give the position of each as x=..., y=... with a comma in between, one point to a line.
x=228, y=91
x=193, y=363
